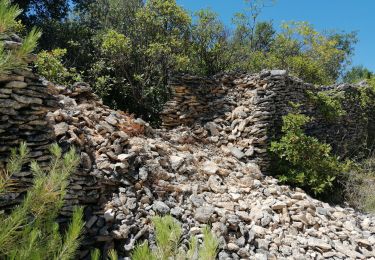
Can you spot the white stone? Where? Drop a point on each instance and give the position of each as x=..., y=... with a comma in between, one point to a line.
x=210, y=167
x=109, y=215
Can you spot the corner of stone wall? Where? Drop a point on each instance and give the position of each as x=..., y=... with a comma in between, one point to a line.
x=253, y=107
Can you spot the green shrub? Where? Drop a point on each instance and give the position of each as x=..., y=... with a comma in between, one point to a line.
x=115, y=44
x=329, y=104
x=168, y=234
x=30, y=230
x=303, y=160
x=50, y=65
x=359, y=185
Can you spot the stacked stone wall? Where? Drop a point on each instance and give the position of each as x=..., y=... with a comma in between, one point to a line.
x=40, y=113
x=247, y=114
x=24, y=103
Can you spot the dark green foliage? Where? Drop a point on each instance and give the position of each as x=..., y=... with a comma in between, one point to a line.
x=303, y=160
x=42, y=10
x=210, y=47
x=50, y=65
x=30, y=230
x=264, y=36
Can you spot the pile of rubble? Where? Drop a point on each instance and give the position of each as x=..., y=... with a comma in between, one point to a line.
x=187, y=175
x=253, y=216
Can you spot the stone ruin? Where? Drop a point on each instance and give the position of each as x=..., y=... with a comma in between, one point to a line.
x=205, y=165
x=245, y=112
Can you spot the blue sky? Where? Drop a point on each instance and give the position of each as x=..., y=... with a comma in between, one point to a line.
x=347, y=15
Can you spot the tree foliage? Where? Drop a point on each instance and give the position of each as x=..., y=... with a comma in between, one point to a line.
x=128, y=49
x=306, y=53
x=49, y=64
x=210, y=47
x=357, y=74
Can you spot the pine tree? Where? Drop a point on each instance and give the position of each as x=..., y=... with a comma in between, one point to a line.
x=30, y=231
x=11, y=59
x=168, y=233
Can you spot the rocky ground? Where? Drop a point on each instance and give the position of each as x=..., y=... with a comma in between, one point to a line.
x=183, y=172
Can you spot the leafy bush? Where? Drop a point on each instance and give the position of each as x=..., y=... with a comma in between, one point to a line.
x=115, y=44
x=49, y=64
x=30, y=230
x=303, y=160
x=168, y=233
x=329, y=104
x=306, y=53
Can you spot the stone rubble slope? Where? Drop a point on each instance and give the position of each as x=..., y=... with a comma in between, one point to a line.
x=127, y=176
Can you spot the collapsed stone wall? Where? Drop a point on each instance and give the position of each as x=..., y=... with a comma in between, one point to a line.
x=244, y=112
x=200, y=174
x=40, y=113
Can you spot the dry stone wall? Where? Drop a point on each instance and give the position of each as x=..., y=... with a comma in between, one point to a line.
x=24, y=103
x=41, y=113
x=245, y=112
x=206, y=173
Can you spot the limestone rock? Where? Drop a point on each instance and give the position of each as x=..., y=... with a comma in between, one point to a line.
x=203, y=214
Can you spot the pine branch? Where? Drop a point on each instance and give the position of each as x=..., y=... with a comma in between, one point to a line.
x=113, y=255
x=29, y=43
x=142, y=252
x=95, y=254
x=71, y=240
x=208, y=251
x=8, y=15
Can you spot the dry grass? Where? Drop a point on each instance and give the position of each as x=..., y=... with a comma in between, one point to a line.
x=360, y=191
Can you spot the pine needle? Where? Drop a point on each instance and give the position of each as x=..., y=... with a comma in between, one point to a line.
x=142, y=252
x=8, y=15
x=113, y=254
x=71, y=239
x=95, y=254
x=210, y=245
x=168, y=233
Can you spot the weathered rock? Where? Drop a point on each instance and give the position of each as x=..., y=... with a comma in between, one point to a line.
x=237, y=153
x=210, y=168
x=109, y=215
x=176, y=161
x=203, y=214
x=61, y=129
x=160, y=207
x=314, y=242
